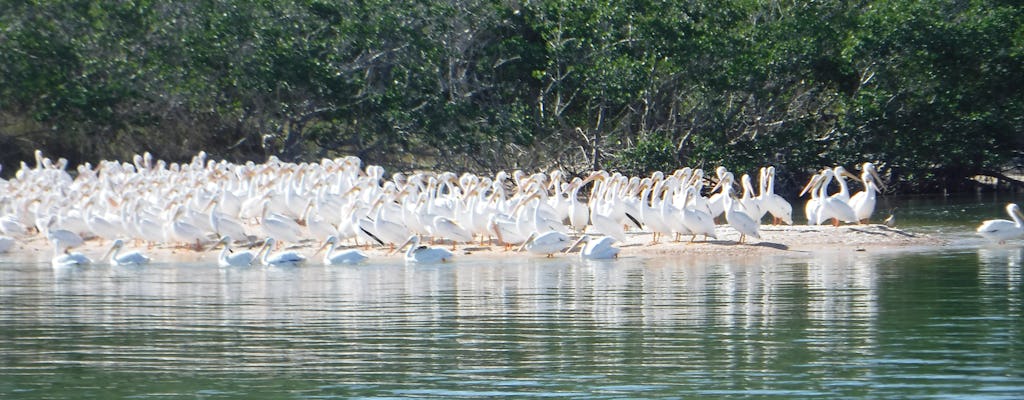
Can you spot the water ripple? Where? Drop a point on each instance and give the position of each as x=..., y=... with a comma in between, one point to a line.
x=864, y=326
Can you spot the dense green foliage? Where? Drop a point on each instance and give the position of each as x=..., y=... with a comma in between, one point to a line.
x=930, y=90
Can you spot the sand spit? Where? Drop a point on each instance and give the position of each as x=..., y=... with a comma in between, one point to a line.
x=796, y=240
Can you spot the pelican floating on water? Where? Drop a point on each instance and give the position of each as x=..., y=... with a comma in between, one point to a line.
x=281, y=258
x=351, y=256
x=423, y=254
x=131, y=258
x=1001, y=230
x=599, y=248
x=61, y=258
x=227, y=258
x=547, y=243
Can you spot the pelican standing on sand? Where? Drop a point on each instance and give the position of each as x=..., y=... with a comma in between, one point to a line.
x=773, y=203
x=863, y=202
x=739, y=220
x=832, y=207
x=1001, y=230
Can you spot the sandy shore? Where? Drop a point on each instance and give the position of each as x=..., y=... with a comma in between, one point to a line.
x=794, y=240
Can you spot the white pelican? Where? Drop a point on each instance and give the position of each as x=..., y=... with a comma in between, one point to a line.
x=6, y=243
x=66, y=238
x=832, y=207
x=546, y=243
x=182, y=231
x=841, y=174
x=387, y=229
x=772, y=202
x=106, y=228
x=750, y=202
x=600, y=248
x=602, y=209
x=132, y=258
x=11, y=226
x=224, y=225
x=698, y=222
x=424, y=254
x=863, y=202
x=715, y=204
x=656, y=211
x=316, y=225
x=506, y=229
x=351, y=256
x=281, y=258
x=65, y=259
x=579, y=214
x=444, y=228
x=227, y=258
x=145, y=225
x=739, y=220
x=280, y=227
x=812, y=205
x=1002, y=230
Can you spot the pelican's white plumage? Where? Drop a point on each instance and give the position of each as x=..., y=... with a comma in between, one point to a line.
x=1001, y=230
x=599, y=248
x=424, y=254
x=772, y=202
x=832, y=207
x=546, y=243
x=444, y=228
x=698, y=221
x=863, y=202
x=130, y=258
x=739, y=220
x=350, y=256
x=281, y=258
x=227, y=258
x=61, y=258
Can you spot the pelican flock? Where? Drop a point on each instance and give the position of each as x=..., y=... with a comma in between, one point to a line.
x=193, y=205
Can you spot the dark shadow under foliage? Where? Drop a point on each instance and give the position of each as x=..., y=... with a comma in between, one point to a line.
x=930, y=91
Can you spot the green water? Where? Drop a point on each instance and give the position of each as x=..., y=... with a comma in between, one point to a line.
x=933, y=323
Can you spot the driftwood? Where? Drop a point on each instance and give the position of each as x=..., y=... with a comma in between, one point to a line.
x=1003, y=178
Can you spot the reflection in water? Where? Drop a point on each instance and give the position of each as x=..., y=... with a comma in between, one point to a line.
x=837, y=324
x=999, y=270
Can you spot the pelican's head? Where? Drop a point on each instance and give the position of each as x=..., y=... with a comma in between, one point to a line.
x=1013, y=209
x=584, y=238
x=812, y=184
x=841, y=173
x=869, y=172
x=412, y=240
x=331, y=240
x=720, y=171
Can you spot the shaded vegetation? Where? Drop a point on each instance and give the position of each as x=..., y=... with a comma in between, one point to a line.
x=931, y=90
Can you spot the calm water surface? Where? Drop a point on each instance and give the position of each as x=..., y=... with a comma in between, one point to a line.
x=938, y=323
